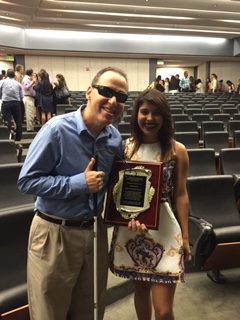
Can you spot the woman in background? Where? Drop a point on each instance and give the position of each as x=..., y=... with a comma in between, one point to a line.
x=199, y=86
x=59, y=82
x=231, y=86
x=159, y=84
x=208, y=82
x=45, y=93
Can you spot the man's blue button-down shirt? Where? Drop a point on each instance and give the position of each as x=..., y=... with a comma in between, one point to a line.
x=57, y=158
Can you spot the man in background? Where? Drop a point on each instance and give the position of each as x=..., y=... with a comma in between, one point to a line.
x=19, y=70
x=11, y=95
x=29, y=99
x=184, y=83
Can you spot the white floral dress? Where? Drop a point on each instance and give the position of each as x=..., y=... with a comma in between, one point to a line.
x=157, y=255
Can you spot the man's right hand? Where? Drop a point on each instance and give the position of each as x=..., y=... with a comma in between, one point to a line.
x=94, y=179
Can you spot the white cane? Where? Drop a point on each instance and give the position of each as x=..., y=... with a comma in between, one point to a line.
x=95, y=269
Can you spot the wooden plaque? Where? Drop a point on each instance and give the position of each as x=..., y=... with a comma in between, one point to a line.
x=134, y=191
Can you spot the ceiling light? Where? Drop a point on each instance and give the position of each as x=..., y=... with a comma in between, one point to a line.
x=163, y=29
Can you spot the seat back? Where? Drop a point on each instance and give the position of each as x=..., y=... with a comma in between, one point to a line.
x=124, y=127
x=176, y=110
x=230, y=110
x=225, y=117
x=200, y=118
x=10, y=196
x=179, y=117
x=236, y=138
x=189, y=139
x=212, y=198
x=232, y=126
x=216, y=140
x=8, y=153
x=230, y=161
x=16, y=213
x=201, y=162
x=191, y=111
x=4, y=133
x=60, y=108
x=208, y=126
x=185, y=126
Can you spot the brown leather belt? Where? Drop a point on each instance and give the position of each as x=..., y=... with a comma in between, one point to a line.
x=85, y=224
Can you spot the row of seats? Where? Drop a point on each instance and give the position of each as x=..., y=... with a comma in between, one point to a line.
x=16, y=214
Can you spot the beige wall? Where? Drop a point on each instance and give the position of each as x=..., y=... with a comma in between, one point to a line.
x=79, y=71
x=226, y=71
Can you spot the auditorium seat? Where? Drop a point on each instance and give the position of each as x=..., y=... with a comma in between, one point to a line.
x=16, y=213
x=10, y=196
x=230, y=164
x=124, y=127
x=236, y=139
x=185, y=126
x=211, y=111
x=4, y=133
x=232, y=126
x=225, y=117
x=208, y=126
x=60, y=108
x=201, y=162
x=214, y=225
x=230, y=110
x=200, y=117
x=179, y=117
x=216, y=140
x=191, y=111
x=189, y=139
x=176, y=110
x=10, y=152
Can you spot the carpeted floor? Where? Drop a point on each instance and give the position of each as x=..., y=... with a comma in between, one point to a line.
x=197, y=299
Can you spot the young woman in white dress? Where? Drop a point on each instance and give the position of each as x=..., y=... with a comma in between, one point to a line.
x=154, y=259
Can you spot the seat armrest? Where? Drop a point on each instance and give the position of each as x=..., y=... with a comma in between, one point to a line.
x=199, y=231
x=19, y=153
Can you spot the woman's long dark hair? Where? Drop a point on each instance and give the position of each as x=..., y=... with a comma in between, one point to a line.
x=166, y=134
x=46, y=84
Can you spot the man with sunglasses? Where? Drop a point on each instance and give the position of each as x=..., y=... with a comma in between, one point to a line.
x=59, y=170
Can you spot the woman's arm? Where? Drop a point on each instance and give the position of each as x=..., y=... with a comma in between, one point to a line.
x=180, y=195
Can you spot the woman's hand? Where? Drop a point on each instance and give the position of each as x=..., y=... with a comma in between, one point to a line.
x=135, y=225
x=186, y=249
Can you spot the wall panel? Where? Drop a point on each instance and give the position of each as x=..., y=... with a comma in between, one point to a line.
x=80, y=71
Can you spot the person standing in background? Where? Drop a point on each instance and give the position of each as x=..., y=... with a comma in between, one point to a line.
x=221, y=87
x=213, y=83
x=178, y=81
x=29, y=99
x=11, y=95
x=184, y=82
x=59, y=82
x=166, y=85
x=173, y=85
x=199, y=86
x=231, y=86
x=45, y=94
x=238, y=87
x=19, y=70
x=159, y=84
x=3, y=74
x=59, y=170
x=192, y=84
x=208, y=83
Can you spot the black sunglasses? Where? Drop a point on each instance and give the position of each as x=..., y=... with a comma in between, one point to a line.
x=109, y=93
